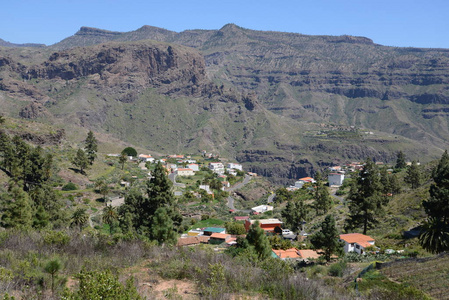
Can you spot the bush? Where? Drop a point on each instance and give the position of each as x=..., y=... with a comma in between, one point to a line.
x=338, y=269
x=69, y=187
x=129, y=151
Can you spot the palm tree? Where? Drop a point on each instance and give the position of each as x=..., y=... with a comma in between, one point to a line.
x=103, y=188
x=109, y=216
x=79, y=218
x=435, y=236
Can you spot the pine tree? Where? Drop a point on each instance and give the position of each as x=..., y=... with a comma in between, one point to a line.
x=80, y=160
x=438, y=204
x=327, y=239
x=365, y=198
x=413, y=177
x=395, y=184
x=256, y=237
x=400, y=161
x=162, y=228
x=159, y=190
x=323, y=200
x=17, y=208
x=41, y=218
x=91, y=147
x=435, y=233
x=294, y=214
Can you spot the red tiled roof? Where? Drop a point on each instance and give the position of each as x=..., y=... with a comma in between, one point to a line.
x=289, y=253
x=192, y=240
x=308, y=253
x=306, y=179
x=241, y=218
x=221, y=236
x=361, y=239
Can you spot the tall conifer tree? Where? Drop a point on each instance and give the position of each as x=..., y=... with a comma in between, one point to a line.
x=365, y=198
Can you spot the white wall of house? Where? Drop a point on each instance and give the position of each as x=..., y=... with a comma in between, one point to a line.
x=194, y=167
x=335, y=179
x=235, y=166
x=185, y=172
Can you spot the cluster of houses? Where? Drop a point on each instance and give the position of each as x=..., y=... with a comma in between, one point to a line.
x=353, y=242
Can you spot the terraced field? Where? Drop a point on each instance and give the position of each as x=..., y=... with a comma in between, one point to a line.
x=430, y=275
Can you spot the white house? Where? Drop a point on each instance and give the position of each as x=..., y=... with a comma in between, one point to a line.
x=335, y=179
x=261, y=209
x=173, y=167
x=217, y=167
x=185, y=172
x=235, y=166
x=194, y=167
x=206, y=187
x=299, y=184
x=356, y=242
x=146, y=158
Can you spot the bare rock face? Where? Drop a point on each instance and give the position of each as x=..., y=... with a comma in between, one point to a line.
x=126, y=67
x=33, y=111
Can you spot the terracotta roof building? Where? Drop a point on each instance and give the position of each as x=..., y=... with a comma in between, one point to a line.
x=356, y=242
x=193, y=240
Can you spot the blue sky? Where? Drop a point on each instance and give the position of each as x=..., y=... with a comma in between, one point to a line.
x=392, y=23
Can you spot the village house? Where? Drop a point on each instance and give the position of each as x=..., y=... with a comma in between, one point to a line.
x=299, y=184
x=194, y=167
x=335, y=179
x=269, y=225
x=307, y=254
x=234, y=166
x=146, y=158
x=211, y=230
x=241, y=218
x=356, y=242
x=192, y=240
x=185, y=172
x=218, y=238
x=217, y=167
x=307, y=179
x=206, y=187
x=261, y=209
x=291, y=253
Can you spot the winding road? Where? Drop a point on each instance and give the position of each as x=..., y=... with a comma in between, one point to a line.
x=237, y=186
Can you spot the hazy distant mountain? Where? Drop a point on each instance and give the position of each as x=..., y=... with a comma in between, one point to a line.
x=282, y=103
x=8, y=44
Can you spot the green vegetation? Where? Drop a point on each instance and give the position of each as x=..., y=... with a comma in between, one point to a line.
x=326, y=240
x=129, y=151
x=365, y=198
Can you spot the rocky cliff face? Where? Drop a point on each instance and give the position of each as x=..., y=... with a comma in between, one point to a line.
x=127, y=67
x=261, y=97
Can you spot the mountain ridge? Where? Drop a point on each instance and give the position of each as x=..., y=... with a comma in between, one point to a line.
x=284, y=104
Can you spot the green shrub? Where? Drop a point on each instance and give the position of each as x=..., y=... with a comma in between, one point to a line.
x=58, y=238
x=69, y=187
x=338, y=269
x=129, y=151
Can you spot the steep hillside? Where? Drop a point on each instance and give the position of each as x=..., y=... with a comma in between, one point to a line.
x=284, y=104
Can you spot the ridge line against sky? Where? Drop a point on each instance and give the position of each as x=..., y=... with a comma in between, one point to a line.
x=400, y=23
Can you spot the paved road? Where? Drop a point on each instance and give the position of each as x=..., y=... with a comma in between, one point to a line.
x=172, y=177
x=271, y=198
x=236, y=187
x=239, y=185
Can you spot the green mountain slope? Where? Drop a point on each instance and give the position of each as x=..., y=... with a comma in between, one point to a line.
x=284, y=104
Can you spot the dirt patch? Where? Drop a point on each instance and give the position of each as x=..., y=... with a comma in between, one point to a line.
x=70, y=176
